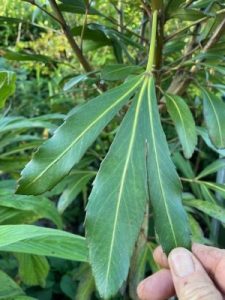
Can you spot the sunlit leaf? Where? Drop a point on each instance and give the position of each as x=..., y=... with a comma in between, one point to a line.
x=7, y=85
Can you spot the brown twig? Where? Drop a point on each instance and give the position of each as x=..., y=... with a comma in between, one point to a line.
x=67, y=31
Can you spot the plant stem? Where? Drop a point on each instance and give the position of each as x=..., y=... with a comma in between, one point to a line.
x=153, y=43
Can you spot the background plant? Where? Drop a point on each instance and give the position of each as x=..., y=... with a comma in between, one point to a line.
x=64, y=53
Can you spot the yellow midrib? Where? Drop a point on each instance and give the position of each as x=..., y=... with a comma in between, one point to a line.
x=158, y=169
x=77, y=139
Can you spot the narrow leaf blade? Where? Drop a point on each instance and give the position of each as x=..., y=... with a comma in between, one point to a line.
x=42, y=241
x=59, y=154
x=117, y=203
x=164, y=185
x=214, y=114
x=212, y=168
x=211, y=209
x=184, y=123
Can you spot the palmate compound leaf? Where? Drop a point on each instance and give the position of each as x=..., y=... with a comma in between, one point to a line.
x=214, y=115
x=164, y=185
x=59, y=154
x=184, y=123
x=117, y=201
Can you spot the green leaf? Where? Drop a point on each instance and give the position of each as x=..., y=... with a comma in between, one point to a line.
x=7, y=86
x=118, y=72
x=207, y=194
x=8, y=288
x=211, y=209
x=217, y=187
x=32, y=208
x=77, y=7
x=214, y=114
x=24, y=56
x=74, y=80
x=86, y=285
x=79, y=181
x=42, y=241
x=196, y=231
x=184, y=123
x=117, y=202
x=204, y=135
x=58, y=155
x=173, y=5
x=33, y=269
x=212, y=168
x=164, y=184
x=187, y=14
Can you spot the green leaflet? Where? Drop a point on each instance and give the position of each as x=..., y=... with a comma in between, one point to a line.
x=214, y=114
x=42, y=241
x=217, y=187
x=184, y=123
x=7, y=85
x=73, y=189
x=27, y=209
x=164, y=185
x=117, y=202
x=59, y=154
x=33, y=269
x=212, y=209
x=212, y=168
x=8, y=288
x=196, y=231
x=119, y=71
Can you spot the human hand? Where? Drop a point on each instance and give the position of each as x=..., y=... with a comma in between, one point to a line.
x=191, y=276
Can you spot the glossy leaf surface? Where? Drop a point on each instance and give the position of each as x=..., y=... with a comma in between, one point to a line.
x=184, y=123
x=58, y=155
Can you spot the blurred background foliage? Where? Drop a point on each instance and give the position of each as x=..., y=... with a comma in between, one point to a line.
x=50, y=82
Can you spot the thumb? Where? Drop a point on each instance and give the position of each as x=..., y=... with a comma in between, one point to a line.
x=189, y=277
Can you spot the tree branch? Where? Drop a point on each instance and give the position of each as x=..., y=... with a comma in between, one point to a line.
x=67, y=31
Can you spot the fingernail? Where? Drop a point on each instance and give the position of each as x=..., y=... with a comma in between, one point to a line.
x=181, y=262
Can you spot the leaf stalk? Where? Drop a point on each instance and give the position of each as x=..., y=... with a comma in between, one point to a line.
x=151, y=55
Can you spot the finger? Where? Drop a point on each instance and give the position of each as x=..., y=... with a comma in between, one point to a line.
x=189, y=277
x=213, y=260
x=159, y=286
x=160, y=257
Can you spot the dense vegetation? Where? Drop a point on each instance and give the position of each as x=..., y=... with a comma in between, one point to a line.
x=82, y=207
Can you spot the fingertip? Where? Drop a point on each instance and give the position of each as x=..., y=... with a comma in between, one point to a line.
x=157, y=286
x=160, y=257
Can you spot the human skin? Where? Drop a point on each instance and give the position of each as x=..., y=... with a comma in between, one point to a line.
x=196, y=275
